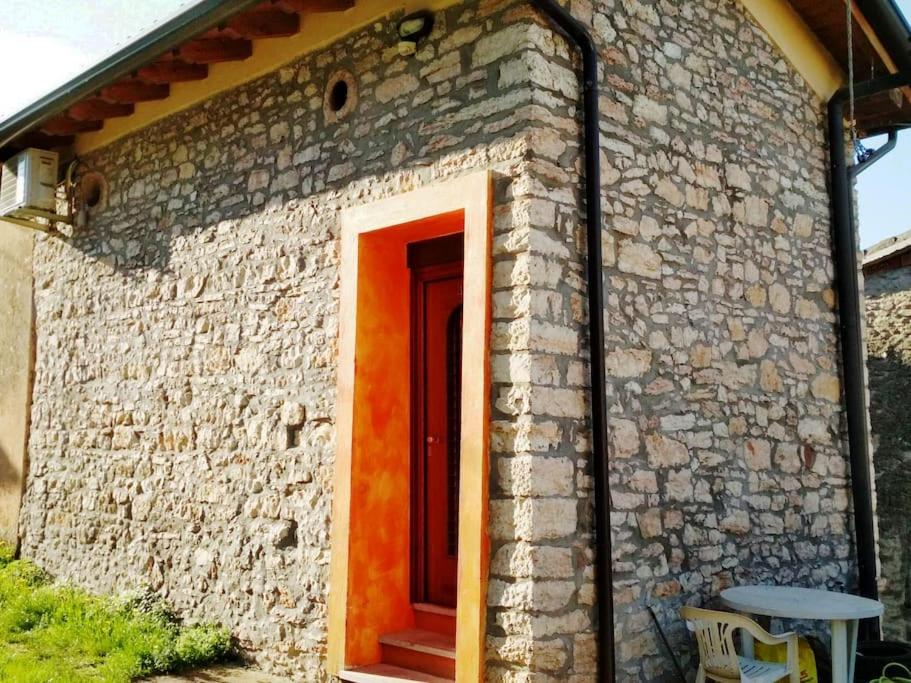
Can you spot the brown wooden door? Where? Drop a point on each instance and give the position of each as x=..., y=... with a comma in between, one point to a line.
x=438, y=366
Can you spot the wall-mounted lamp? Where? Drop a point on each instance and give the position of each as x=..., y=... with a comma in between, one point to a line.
x=412, y=29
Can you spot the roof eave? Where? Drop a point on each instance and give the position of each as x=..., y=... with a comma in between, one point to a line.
x=887, y=248
x=892, y=28
x=884, y=16
x=197, y=19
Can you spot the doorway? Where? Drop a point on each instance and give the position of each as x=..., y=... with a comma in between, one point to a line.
x=436, y=332
x=375, y=623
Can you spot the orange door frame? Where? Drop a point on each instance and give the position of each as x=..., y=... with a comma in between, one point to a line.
x=419, y=214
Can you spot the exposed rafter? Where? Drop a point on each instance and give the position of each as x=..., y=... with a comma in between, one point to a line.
x=228, y=40
x=172, y=71
x=37, y=138
x=134, y=90
x=876, y=45
x=869, y=52
x=64, y=125
x=213, y=50
x=313, y=6
x=95, y=108
x=267, y=23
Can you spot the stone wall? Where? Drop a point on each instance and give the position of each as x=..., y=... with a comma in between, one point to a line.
x=183, y=413
x=728, y=459
x=888, y=299
x=183, y=428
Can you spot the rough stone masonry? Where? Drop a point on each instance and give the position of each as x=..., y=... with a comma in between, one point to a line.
x=888, y=305
x=183, y=415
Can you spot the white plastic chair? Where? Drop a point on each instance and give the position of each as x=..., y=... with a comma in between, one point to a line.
x=718, y=659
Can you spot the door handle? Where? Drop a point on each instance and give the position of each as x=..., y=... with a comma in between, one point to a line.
x=432, y=440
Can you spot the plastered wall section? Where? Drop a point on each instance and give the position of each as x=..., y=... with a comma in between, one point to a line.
x=15, y=369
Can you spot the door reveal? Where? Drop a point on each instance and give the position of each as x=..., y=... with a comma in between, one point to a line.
x=436, y=333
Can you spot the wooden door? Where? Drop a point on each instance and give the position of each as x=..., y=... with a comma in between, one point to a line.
x=437, y=369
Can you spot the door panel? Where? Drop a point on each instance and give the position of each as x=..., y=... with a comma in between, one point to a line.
x=439, y=336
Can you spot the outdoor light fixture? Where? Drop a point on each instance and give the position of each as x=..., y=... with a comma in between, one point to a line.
x=412, y=29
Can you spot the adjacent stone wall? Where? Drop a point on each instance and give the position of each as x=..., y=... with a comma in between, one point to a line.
x=183, y=415
x=888, y=299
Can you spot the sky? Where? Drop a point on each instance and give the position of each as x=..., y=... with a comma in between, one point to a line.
x=66, y=37
x=54, y=40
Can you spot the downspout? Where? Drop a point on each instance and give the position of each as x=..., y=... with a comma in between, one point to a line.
x=844, y=237
x=579, y=36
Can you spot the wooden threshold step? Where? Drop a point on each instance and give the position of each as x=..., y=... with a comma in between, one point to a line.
x=420, y=650
x=420, y=640
x=386, y=673
x=435, y=618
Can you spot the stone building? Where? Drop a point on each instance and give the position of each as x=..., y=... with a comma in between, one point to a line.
x=887, y=290
x=313, y=359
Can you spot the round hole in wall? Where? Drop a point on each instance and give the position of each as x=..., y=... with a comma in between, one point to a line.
x=93, y=191
x=93, y=195
x=340, y=98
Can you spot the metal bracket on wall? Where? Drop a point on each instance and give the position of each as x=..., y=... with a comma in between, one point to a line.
x=34, y=224
x=875, y=155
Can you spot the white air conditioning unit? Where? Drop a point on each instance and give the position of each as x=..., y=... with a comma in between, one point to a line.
x=28, y=184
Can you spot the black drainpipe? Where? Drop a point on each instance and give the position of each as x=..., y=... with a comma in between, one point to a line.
x=844, y=237
x=580, y=37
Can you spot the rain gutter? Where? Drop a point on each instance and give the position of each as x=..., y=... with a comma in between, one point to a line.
x=891, y=27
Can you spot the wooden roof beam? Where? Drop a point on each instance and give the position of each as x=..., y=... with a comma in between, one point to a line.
x=64, y=125
x=270, y=23
x=134, y=90
x=313, y=6
x=211, y=50
x=172, y=71
x=95, y=108
x=877, y=45
x=42, y=140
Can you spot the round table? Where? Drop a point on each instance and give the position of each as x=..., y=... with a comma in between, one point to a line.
x=841, y=610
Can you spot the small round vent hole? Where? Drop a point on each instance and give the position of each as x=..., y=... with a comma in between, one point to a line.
x=338, y=97
x=93, y=195
x=93, y=190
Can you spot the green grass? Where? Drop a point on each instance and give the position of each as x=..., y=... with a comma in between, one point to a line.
x=59, y=634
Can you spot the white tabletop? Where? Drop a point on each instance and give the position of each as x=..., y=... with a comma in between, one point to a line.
x=799, y=603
